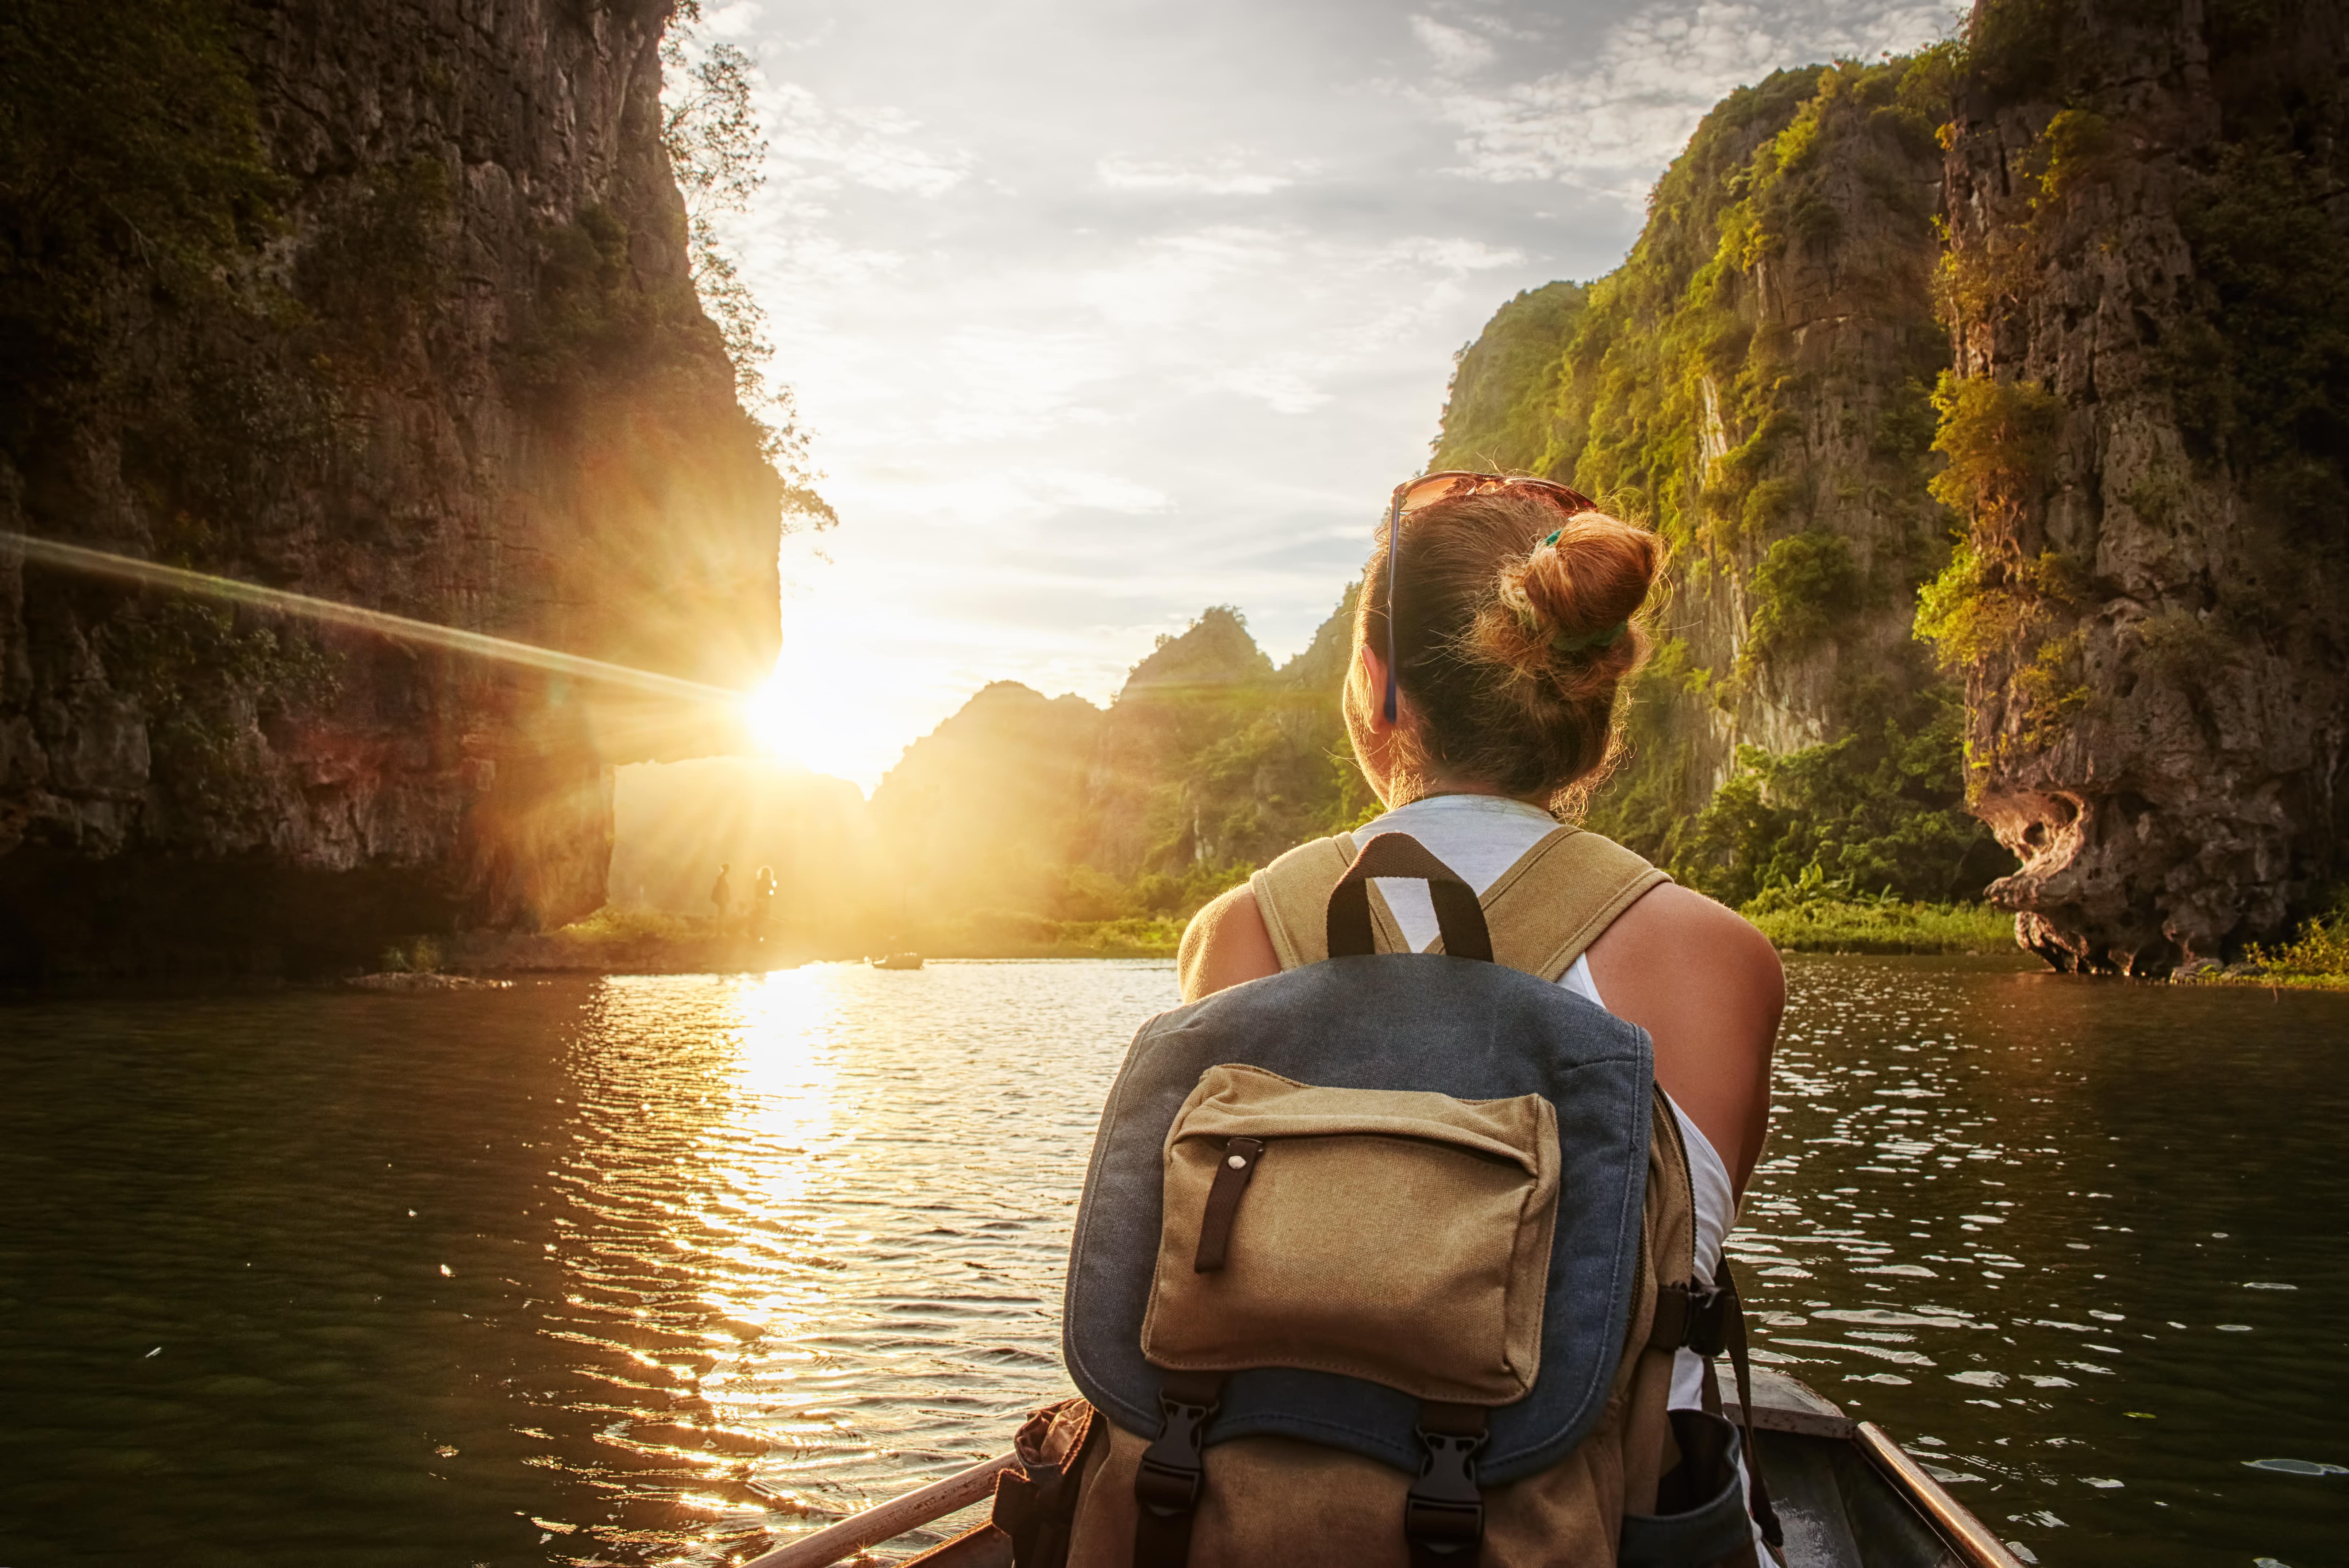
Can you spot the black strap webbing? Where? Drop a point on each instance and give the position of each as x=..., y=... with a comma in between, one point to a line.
x=1709, y=1324
x=1732, y=1334
x=1170, y=1479
x=1459, y=917
x=1687, y=1319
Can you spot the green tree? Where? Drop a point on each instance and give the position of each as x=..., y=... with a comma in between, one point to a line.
x=711, y=131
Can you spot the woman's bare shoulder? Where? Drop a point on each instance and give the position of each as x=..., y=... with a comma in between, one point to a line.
x=1224, y=945
x=1709, y=989
x=1675, y=926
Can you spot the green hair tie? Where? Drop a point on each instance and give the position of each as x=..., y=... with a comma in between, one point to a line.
x=1606, y=639
x=1551, y=541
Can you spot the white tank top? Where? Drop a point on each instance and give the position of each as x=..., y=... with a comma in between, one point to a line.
x=1480, y=836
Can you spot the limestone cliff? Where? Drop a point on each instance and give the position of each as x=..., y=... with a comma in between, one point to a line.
x=1754, y=382
x=2149, y=284
x=1210, y=759
x=387, y=303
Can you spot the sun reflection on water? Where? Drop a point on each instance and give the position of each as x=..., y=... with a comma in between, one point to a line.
x=820, y=1294
x=769, y=1284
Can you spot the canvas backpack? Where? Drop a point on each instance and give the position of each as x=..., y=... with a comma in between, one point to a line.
x=1383, y=1259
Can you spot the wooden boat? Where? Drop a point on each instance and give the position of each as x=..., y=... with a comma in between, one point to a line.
x=896, y=961
x=1848, y=1496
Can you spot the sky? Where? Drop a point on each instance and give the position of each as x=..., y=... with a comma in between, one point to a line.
x=1100, y=313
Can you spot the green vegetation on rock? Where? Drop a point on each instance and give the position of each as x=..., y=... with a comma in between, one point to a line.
x=709, y=129
x=125, y=146
x=1868, y=812
x=1505, y=383
x=2320, y=952
x=1802, y=586
x=2262, y=374
x=1784, y=452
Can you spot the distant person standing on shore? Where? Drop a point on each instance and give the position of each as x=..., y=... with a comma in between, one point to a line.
x=722, y=893
x=762, y=902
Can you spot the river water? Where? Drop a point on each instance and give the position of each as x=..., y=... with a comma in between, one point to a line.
x=660, y=1270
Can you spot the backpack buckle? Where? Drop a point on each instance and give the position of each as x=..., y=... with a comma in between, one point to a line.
x=1708, y=1326
x=1443, y=1513
x=1169, y=1479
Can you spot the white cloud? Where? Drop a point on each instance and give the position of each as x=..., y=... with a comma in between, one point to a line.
x=1230, y=175
x=737, y=19
x=1101, y=492
x=1456, y=254
x=1609, y=123
x=817, y=148
x=1163, y=281
x=1284, y=388
x=1456, y=50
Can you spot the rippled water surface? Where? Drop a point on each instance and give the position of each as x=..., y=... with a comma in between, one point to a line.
x=657, y=1270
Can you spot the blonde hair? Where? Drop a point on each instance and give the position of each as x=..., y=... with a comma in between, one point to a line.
x=1515, y=626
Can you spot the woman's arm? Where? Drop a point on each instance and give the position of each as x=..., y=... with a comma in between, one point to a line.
x=1225, y=944
x=1709, y=988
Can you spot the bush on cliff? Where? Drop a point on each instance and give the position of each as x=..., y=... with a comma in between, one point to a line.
x=1877, y=811
x=2318, y=953
x=125, y=146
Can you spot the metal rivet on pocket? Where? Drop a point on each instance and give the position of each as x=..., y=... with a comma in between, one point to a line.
x=1237, y=1163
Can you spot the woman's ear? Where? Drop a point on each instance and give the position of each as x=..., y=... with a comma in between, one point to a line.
x=1366, y=722
x=1370, y=695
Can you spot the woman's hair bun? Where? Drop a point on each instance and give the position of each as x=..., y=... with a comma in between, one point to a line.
x=1514, y=628
x=1568, y=604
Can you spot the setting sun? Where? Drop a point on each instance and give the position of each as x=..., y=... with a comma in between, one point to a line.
x=766, y=714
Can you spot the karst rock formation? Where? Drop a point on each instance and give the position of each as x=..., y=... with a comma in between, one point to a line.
x=2037, y=343
x=2149, y=229
x=387, y=303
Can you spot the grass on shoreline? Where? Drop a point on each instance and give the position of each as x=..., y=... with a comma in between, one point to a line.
x=2316, y=960
x=1867, y=926
x=654, y=940
x=619, y=939
x=1135, y=936
x=1822, y=926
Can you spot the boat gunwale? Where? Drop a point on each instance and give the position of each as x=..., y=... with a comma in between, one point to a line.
x=1951, y=1519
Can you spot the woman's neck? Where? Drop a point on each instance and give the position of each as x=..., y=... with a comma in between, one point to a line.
x=1434, y=788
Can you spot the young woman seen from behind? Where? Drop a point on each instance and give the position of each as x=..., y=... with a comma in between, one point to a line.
x=1518, y=611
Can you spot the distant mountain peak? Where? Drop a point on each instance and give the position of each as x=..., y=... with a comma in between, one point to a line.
x=1216, y=652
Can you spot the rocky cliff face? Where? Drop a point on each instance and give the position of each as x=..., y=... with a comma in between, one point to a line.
x=1212, y=759
x=2150, y=281
x=384, y=303
x=1755, y=382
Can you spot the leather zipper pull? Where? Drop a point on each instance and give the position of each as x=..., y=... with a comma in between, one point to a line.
x=1233, y=1173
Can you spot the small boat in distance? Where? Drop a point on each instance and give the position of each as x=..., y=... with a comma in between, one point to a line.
x=1848, y=1495
x=896, y=961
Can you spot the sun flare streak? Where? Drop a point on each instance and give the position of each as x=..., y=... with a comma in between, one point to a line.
x=481, y=645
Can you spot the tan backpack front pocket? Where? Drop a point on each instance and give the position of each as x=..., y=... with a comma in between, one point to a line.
x=1393, y=1235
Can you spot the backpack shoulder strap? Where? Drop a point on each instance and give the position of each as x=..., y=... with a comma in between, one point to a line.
x=1544, y=911
x=1292, y=894
x=1559, y=897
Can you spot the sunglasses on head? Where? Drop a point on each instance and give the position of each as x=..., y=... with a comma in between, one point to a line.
x=1451, y=485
